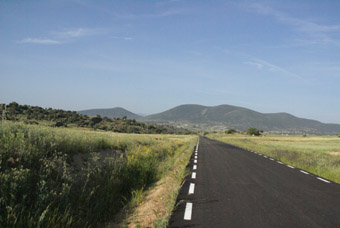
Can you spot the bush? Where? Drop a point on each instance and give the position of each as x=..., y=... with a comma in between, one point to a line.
x=230, y=131
x=254, y=131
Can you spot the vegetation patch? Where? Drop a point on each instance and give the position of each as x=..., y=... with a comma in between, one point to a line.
x=155, y=207
x=316, y=154
x=61, y=118
x=61, y=177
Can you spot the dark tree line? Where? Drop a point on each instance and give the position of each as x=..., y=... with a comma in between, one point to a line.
x=61, y=118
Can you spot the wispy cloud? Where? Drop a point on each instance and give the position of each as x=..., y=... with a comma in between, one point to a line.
x=264, y=65
x=156, y=14
x=64, y=36
x=256, y=64
x=299, y=24
x=168, y=13
x=313, y=32
x=77, y=32
x=127, y=38
x=38, y=41
x=156, y=10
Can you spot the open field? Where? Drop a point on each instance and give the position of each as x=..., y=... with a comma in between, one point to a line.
x=59, y=177
x=317, y=154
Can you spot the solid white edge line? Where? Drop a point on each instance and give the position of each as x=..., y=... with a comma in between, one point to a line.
x=188, y=211
x=323, y=180
x=304, y=172
x=292, y=167
x=194, y=167
x=191, y=188
x=195, y=161
x=193, y=175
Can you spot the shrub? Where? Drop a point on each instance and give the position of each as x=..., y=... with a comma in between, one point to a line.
x=230, y=131
x=253, y=131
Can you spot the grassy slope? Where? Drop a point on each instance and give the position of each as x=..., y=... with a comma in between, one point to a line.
x=153, y=208
x=317, y=154
x=42, y=184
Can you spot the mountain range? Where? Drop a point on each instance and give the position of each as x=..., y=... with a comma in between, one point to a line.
x=222, y=117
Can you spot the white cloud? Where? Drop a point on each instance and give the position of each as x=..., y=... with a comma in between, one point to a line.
x=264, y=65
x=77, y=32
x=122, y=38
x=38, y=41
x=256, y=64
x=300, y=24
x=64, y=36
x=311, y=32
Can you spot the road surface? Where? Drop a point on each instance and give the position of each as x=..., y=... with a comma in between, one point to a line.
x=232, y=187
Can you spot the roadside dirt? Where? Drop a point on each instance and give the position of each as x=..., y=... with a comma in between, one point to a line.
x=334, y=153
x=153, y=207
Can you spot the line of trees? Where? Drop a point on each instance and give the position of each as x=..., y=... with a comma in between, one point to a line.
x=61, y=118
x=250, y=131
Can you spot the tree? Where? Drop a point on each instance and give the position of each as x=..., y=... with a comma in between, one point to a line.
x=96, y=119
x=230, y=131
x=253, y=131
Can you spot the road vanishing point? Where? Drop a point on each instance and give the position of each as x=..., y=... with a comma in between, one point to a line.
x=234, y=187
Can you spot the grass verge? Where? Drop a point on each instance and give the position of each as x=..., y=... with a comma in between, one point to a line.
x=316, y=154
x=157, y=203
x=76, y=178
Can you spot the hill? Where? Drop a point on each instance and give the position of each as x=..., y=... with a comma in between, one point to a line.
x=222, y=117
x=117, y=112
x=61, y=118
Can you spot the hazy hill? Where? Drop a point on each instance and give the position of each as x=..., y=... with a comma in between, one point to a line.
x=111, y=113
x=226, y=116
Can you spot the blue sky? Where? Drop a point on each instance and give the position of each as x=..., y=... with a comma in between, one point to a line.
x=149, y=56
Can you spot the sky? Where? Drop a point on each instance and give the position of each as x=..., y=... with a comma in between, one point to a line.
x=150, y=56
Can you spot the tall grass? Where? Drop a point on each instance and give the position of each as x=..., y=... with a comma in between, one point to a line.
x=74, y=178
x=317, y=154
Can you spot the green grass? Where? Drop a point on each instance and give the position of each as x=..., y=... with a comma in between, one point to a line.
x=317, y=154
x=167, y=188
x=53, y=177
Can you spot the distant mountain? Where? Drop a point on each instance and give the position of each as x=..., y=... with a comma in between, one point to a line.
x=198, y=117
x=111, y=113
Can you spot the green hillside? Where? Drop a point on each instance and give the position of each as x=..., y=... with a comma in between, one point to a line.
x=226, y=116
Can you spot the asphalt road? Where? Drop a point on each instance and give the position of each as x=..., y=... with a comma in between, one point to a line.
x=238, y=188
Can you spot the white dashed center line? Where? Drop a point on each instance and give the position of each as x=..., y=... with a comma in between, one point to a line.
x=194, y=167
x=195, y=161
x=323, y=180
x=191, y=188
x=279, y=162
x=193, y=175
x=188, y=211
x=271, y=159
x=196, y=157
x=290, y=166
